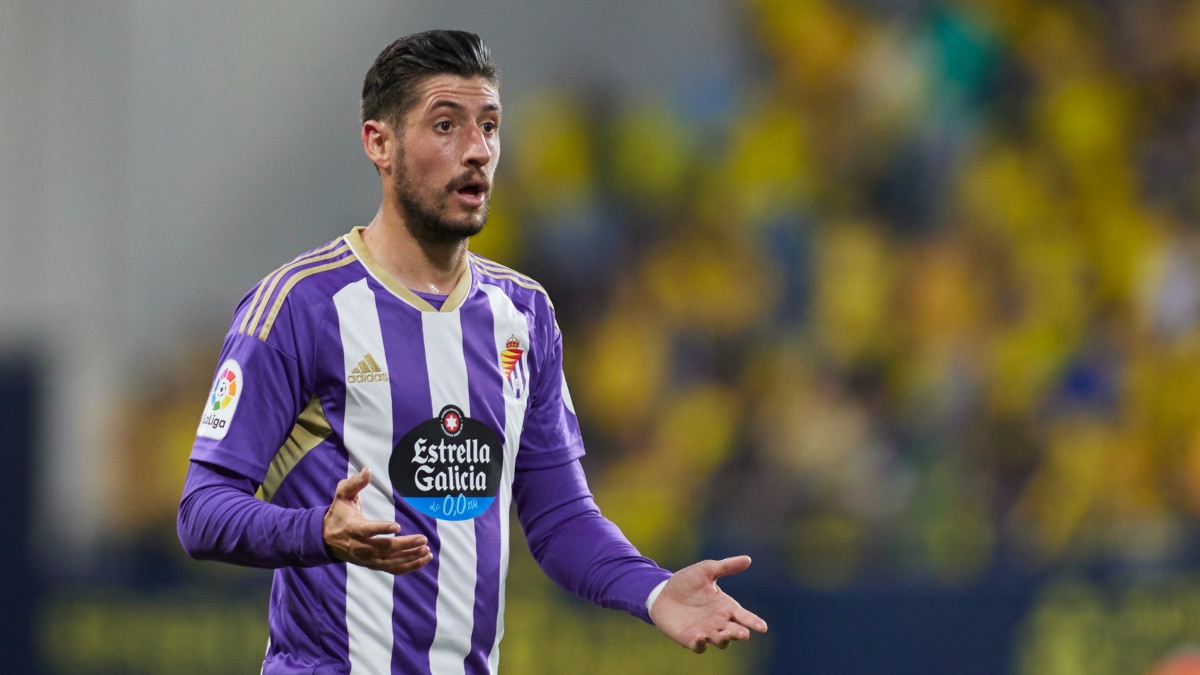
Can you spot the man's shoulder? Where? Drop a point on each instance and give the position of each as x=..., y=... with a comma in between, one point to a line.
x=516, y=283
x=300, y=282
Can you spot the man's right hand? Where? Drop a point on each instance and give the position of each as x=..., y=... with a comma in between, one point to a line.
x=375, y=544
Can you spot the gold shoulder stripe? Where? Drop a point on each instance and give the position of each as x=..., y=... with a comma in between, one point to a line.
x=495, y=267
x=499, y=271
x=332, y=250
x=273, y=278
x=522, y=281
x=296, y=278
x=267, y=287
x=310, y=429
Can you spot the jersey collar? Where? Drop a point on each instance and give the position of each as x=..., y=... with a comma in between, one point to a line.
x=453, y=301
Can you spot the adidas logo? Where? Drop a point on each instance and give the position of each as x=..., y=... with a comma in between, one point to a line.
x=367, y=370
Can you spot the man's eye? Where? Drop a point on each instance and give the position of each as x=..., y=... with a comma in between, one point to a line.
x=490, y=127
x=444, y=125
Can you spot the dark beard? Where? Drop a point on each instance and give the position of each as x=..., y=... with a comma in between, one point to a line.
x=427, y=224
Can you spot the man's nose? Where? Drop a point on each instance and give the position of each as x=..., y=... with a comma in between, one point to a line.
x=478, y=151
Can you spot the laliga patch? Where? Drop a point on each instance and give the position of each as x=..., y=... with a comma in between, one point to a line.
x=222, y=401
x=448, y=467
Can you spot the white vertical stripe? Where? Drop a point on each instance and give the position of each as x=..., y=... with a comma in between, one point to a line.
x=508, y=322
x=368, y=435
x=456, y=556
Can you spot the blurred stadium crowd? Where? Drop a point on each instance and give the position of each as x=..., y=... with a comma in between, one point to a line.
x=911, y=298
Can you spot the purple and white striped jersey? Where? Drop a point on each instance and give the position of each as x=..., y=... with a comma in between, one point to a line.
x=331, y=365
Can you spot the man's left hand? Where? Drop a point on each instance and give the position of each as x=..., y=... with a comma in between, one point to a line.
x=693, y=611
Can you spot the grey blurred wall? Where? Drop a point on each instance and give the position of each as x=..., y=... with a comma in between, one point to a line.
x=158, y=158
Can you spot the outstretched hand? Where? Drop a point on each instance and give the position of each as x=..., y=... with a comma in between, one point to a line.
x=375, y=544
x=693, y=611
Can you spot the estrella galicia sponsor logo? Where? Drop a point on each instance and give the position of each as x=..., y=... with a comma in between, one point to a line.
x=222, y=401
x=448, y=467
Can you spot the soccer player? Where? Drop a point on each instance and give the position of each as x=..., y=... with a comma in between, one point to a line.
x=392, y=395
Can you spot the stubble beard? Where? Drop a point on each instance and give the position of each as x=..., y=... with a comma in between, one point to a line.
x=425, y=214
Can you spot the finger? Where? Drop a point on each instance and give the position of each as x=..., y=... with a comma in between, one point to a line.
x=392, y=558
x=348, y=488
x=365, y=554
x=391, y=546
x=728, y=566
x=734, y=633
x=722, y=637
x=368, y=530
x=697, y=642
x=749, y=620
x=405, y=556
x=397, y=567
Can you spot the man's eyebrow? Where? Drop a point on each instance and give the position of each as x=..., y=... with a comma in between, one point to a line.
x=455, y=105
x=446, y=103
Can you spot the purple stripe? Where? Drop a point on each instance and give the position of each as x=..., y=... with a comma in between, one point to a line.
x=487, y=589
x=318, y=594
x=307, y=617
x=414, y=615
x=335, y=637
x=487, y=406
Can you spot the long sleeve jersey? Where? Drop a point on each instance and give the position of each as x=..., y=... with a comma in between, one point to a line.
x=460, y=411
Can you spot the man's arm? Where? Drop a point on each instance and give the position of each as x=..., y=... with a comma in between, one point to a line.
x=588, y=555
x=221, y=519
x=577, y=547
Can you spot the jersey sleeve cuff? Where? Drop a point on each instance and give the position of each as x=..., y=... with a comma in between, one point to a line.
x=648, y=585
x=315, y=550
x=653, y=597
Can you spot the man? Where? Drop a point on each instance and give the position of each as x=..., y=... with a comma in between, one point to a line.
x=391, y=395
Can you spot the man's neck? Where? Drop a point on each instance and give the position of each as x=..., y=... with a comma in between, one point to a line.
x=418, y=265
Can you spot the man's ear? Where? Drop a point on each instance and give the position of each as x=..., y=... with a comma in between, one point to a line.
x=379, y=142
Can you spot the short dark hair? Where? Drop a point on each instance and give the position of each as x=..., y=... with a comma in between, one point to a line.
x=389, y=89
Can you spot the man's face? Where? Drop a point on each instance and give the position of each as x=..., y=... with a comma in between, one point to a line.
x=447, y=155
